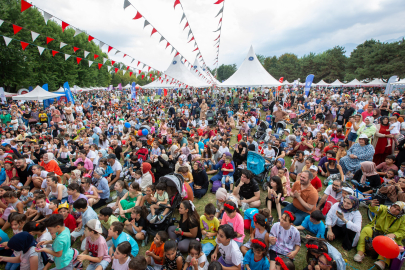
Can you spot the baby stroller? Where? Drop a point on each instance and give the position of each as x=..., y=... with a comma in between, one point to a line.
x=258, y=166
x=261, y=131
x=174, y=183
x=210, y=117
x=280, y=126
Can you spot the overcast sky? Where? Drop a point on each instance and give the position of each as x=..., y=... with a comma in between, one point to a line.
x=272, y=27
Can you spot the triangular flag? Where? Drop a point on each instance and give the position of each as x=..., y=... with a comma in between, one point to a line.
x=195, y=49
x=145, y=24
x=143, y=76
x=217, y=38
x=150, y=75
x=16, y=29
x=25, y=5
x=110, y=48
x=167, y=45
x=24, y=45
x=116, y=70
x=153, y=79
x=189, y=32
x=54, y=53
x=104, y=60
x=48, y=39
x=117, y=52
x=185, y=26
x=34, y=36
x=221, y=10
x=191, y=40
x=90, y=62
x=182, y=17
x=62, y=44
x=123, y=72
x=218, y=29
x=112, y=62
x=133, y=59
x=218, y=2
x=75, y=49
x=176, y=3
x=126, y=4
x=130, y=73
x=127, y=67
x=120, y=65
x=109, y=68
x=66, y=55
x=139, y=71
x=220, y=21
x=172, y=50
x=1, y=22
x=161, y=39
x=95, y=56
x=90, y=38
x=153, y=31
x=138, y=63
x=86, y=53
x=40, y=49
x=177, y=54
x=143, y=66
x=78, y=59
x=149, y=69
x=64, y=25
x=99, y=65
x=137, y=16
x=77, y=32
x=47, y=17
x=101, y=44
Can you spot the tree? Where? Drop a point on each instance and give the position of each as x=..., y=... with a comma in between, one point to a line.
x=226, y=71
x=261, y=58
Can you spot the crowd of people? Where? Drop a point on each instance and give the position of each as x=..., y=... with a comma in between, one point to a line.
x=108, y=153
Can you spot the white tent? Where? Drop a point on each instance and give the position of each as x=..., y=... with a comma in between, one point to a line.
x=376, y=83
x=60, y=90
x=7, y=94
x=250, y=74
x=322, y=83
x=336, y=83
x=355, y=83
x=37, y=94
x=287, y=83
x=180, y=72
x=400, y=82
x=126, y=86
x=207, y=73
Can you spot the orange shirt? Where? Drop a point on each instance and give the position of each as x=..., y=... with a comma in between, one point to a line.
x=159, y=251
x=51, y=166
x=309, y=195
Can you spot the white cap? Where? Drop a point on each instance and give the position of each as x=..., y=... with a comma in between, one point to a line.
x=288, y=130
x=313, y=167
x=95, y=225
x=363, y=136
x=348, y=190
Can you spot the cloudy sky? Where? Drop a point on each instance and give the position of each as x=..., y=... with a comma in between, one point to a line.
x=272, y=27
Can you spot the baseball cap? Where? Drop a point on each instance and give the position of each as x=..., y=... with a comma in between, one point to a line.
x=111, y=156
x=288, y=130
x=348, y=190
x=95, y=225
x=363, y=136
x=313, y=167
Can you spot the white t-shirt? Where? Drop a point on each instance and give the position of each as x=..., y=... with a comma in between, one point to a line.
x=332, y=193
x=352, y=128
x=396, y=129
x=45, y=210
x=202, y=259
x=231, y=253
x=25, y=258
x=117, y=266
x=91, y=154
x=269, y=153
x=223, y=149
x=117, y=167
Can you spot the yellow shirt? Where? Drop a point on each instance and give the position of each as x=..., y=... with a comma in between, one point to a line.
x=43, y=117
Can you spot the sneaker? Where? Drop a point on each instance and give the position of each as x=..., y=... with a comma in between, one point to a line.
x=160, y=217
x=358, y=257
x=153, y=219
x=380, y=265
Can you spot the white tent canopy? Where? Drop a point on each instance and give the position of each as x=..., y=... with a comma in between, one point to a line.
x=336, y=83
x=400, y=82
x=286, y=83
x=251, y=73
x=126, y=86
x=355, y=83
x=376, y=83
x=197, y=67
x=60, y=90
x=322, y=83
x=37, y=94
x=179, y=71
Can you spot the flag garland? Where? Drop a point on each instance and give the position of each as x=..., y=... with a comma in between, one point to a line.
x=218, y=39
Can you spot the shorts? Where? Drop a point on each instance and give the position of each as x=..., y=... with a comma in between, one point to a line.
x=273, y=255
x=93, y=266
x=155, y=265
x=230, y=181
x=135, y=232
x=352, y=137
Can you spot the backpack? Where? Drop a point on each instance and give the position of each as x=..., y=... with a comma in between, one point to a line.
x=215, y=186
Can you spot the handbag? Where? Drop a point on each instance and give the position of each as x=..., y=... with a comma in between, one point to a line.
x=369, y=240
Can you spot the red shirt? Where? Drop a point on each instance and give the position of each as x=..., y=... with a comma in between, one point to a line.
x=70, y=222
x=225, y=166
x=316, y=182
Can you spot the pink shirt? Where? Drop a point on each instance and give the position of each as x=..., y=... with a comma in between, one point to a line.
x=236, y=223
x=88, y=164
x=366, y=114
x=98, y=248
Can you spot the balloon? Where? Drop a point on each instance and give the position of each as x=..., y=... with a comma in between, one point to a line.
x=123, y=142
x=127, y=125
x=386, y=247
x=139, y=132
x=145, y=132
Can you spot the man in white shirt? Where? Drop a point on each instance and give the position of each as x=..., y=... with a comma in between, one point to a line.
x=90, y=153
x=117, y=169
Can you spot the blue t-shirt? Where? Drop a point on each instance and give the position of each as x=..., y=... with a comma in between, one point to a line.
x=318, y=229
x=200, y=146
x=126, y=237
x=249, y=213
x=4, y=237
x=249, y=259
x=268, y=119
x=2, y=176
x=62, y=243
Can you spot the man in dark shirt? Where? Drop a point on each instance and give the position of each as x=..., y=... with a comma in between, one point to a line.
x=24, y=172
x=38, y=152
x=348, y=112
x=247, y=192
x=116, y=147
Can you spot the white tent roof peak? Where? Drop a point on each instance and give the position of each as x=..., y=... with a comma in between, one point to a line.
x=355, y=82
x=250, y=73
x=37, y=94
x=337, y=83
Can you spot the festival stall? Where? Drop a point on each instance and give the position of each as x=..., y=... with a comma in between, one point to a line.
x=376, y=83
x=355, y=83
x=37, y=94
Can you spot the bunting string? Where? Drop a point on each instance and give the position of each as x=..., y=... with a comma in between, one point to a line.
x=218, y=39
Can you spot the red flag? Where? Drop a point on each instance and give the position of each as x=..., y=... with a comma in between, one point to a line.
x=24, y=45
x=150, y=75
x=153, y=31
x=25, y=5
x=220, y=21
x=153, y=79
x=195, y=49
x=130, y=73
x=143, y=76
x=138, y=16
x=91, y=38
x=54, y=53
x=185, y=26
x=177, y=54
x=124, y=55
x=148, y=68
x=16, y=29
x=217, y=38
x=200, y=56
x=116, y=70
x=138, y=63
x=176, y=3
x=158, y=72
x=95, y=56
x=64, y=25
x=140, y=71
x=187, y=86
x=185, y=60
x=127, y=67
x=191, y=40
x=78, y=59
x=112, y=62
x=167, y=45
x=165, y=92
x=218, y=2
x=48, y=39
x=99, y=65
x=75, y=49
x=109, y=48
x=281, y=79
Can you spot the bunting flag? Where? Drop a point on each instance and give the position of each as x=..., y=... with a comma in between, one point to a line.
x=64, y=25
x=143, y=76
x=112, y=62
x=153, y=31
x=138, y=63
x=167, y=45
x=47, y=17
x=117, y=52
x=195, y=49
x=66, y=56
x=148, y=69
x=101, y=45
x=139, y=71
x=104, y=60
x=191, y=40
x=24, y=45
x=48, y=39
x=123, y=72
x=109, y=68
x=127, y=67
x=182, y=17
x=130, y=73
x=124, y=55
x=90, y=62
x=78, y=59
x=34, y=36
x=161, y=39
x=218, y=2
x=25, y=5
x=109, y=49
x=41, y=50
x=16, y=29
x=54, y=53
x=185, y=26
x=177, y=54
x=86, y=53
x=62, y=44
x=220, y=11
x=220, y=21
x=176, y=3
x=95, y=56
x=137, y=16
x=145, y=24
x=99, y=65
x=90, y=38
x=126, y=4
x=1, y=22
x=218, y=29
x=153, y=79
x=116, y=70
x=75, y=49
x=77, y=32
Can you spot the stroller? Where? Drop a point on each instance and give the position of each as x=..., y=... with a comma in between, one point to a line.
x=210, y=117
x=280, y=126
x=174, y=183
x=261, y=131
x=258, y=166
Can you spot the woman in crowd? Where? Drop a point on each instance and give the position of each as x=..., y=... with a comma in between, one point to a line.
x=380, y=141
x=200, y=179
x=359, y=152
x=50, y=164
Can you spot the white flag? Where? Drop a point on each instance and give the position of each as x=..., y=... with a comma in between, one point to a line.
x=78, y=31
x=123, y=72
x=34, y=36
x=41, y=50
x=86, y=53
x=104, y=60
x=62, y=44
x=90, y=62
x=67, y=56
x=47, y=17
x=1, y=22
x=7, y=40
x=109, y=68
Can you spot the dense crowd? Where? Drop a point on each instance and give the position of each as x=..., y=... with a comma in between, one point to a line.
x=141, y=162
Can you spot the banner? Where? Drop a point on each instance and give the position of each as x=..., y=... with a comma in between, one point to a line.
x=2, y=96
x=133, y=91
x=68, y=93
x=308, y=83
x=389, y=87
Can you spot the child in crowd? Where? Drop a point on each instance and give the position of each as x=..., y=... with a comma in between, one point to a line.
x=87, y=214
x=173, y=260
x=138, y=263
x=26, y=196
x=148, y=199
x=154, y=256
x=209, y=225
x=39, y=230
x=243, y=165
x=137, y=223
x=313, y=223
x=118, y=236
x=106, y=218
x=132, y=198
x=122, y=256
x=121, y=188
x=68, y=219
x=275, y=194
x=227, y=168
x=227, y=247
x=395, y=127
x=188, y=177
x=196, y=258
x=317, y=154
x=161, y=198
x=13, y=205
x=284, y=264
x=233, y=217
x=261, y=231
x=255, y=258
x=15, y=183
